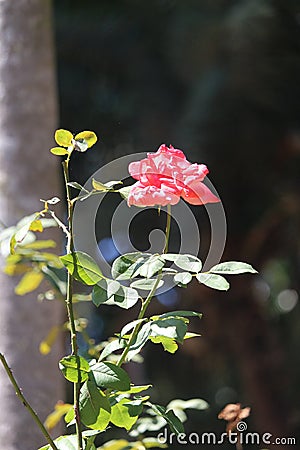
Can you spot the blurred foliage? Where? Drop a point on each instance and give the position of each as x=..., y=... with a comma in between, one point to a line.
x=221, y=80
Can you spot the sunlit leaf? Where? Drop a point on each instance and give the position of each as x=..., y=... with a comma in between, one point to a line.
x=180, y=313
x=111, y=347
x=168, y=344
x=232, y=268
x=40, y=244
x=30, y=281
x=59, y=151
x=124, y=416
x=108, y=375
x=82, y=267
x=124, y=192
x=95, y=409
x=88, y=136
x=193, y=403
x=76, y=185
x=152, y=266
x=213, y=281
x=147, y=284
x=129, y=326
x=183, y=278
x=174, y=423
x=126, y=266
x=186, y=262
x=98, y=186
x=74, y=368
x=63, y=137
x=36, y=225
x=140, y=341
x=111, y=292
x=171, y=327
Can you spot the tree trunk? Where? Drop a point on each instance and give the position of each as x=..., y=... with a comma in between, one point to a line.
x=28, y=172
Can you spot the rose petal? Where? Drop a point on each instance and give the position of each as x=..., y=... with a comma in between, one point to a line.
x=198, y=194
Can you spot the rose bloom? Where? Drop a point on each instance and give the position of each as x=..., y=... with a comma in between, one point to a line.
x=165, y=176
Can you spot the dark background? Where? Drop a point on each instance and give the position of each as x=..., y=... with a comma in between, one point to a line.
x=221, y=80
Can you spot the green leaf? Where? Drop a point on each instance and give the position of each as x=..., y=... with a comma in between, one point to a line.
x=126, y=266
x=60, y=151
x=112, y=347
x=63, y=137
x=29, y=282
x=94, y=407
x=172, y=420
x=193, y=403
x=180, y=314
x=172, y=327
x=124, y=416
x=186, y=262
x=140, y=341
x=22, y=229
x=129, y=326
x=98, y=186
x=152, y=442
x=76, y=185
x=183, y=278
x=108, y=375
x=57, y=277
x=168, y=344
x=147, y=284
x=111, y=292
x=69, y=367
x=232, y=268
x=40, y=244
x=153, y=265
x=213, y=281
x=82, y=267
x=70, y=415
x=124, y=192
x=138, y=389
x=88, y=136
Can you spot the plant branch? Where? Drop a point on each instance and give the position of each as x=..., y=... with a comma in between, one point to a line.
x=147, y=301
x=69, y=304
x=26, y=404
x=168, y=229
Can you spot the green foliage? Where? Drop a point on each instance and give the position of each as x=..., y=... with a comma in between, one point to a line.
x=112, y=292
x=82, y=267
x=213, y=281
x=232, y=268
x=104, y=395
x=124, y=414
x=59, y=151
x=108, y=375
x=74, y=368
x=186, y=262
x=95, y=409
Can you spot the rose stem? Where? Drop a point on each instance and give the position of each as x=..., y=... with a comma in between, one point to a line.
x=147, y=301
x=69, y=303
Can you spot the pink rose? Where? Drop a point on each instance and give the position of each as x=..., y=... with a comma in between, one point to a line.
x=165, y=176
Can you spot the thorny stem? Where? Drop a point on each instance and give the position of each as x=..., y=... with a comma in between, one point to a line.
x=69, y=304
x=26, y=404
x=168, y=228
x=148, y=299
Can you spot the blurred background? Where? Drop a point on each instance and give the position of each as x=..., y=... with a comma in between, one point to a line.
x=219, y=80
